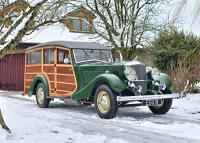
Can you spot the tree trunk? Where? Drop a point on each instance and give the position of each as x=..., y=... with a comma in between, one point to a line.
x=127, y=54
x=3, y=124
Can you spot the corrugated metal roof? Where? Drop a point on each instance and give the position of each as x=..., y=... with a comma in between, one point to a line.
x=73, y=45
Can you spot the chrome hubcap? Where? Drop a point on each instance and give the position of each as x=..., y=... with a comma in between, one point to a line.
x=103, y=102
x=40, y=95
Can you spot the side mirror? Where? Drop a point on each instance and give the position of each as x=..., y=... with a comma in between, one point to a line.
x=66, y=61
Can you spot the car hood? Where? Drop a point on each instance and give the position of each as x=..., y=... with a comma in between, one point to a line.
x=90, y=71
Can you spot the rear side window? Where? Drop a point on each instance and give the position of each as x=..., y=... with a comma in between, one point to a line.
x=62, y=54
x=49, y=56
x=34, y=57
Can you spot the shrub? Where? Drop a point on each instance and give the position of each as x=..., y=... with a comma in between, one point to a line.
x=177, y=53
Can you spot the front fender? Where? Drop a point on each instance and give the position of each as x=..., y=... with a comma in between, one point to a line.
x=165, y=79
x=38, y=79
x=111, y=80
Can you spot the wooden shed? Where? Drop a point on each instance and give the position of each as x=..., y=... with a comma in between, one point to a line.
x=12, y=68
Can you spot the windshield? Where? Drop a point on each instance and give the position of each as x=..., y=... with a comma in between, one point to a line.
x=92, y=56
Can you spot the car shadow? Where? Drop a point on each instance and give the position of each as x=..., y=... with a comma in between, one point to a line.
x=130, y=112
x=127, y=113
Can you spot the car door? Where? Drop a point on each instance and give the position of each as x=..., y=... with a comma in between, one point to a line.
x=65, y=77
x=49, y=68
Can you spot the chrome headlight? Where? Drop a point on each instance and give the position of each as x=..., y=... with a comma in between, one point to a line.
x=155, y=73
x=130, y=73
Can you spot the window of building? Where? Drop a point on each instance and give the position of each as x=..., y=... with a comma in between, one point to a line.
x=86, y=26
x=76, y=25
x=49, y=56
x=62, y=54
x=80, y=25
x=34, y=57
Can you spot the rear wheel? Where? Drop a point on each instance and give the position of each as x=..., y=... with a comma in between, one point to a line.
x=41, y=97
x=105, y=102
x=164, y=106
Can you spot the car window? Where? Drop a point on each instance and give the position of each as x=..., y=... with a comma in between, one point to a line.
x=105, y=55
x=92, y=55
x=49, y=56
x=97, y=54
x=34, y=57
x=79, y=55
x=89, y=54
x=62, y=54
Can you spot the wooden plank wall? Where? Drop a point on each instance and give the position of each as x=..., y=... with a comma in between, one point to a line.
x=61, y=77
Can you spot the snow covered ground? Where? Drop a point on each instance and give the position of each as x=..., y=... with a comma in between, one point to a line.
x=73, y=123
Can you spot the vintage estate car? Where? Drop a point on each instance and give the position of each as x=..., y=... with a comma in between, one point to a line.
x=86, y=72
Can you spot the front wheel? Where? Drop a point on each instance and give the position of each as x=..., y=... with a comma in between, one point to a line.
x=105, y=102
x=42, y=100
x=164, y=107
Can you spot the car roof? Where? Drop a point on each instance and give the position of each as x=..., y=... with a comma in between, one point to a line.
x=73, y=45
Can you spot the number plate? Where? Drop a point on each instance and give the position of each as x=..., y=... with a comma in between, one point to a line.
x=151, y=102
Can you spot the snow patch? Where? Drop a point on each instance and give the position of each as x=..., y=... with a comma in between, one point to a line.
x=185, y=130
x=57, y=32
x=75, y=123
x=198, y=84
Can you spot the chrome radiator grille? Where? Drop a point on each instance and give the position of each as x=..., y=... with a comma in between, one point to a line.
x=141, y=77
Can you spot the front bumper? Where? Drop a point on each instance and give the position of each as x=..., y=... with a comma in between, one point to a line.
x=154, y=97
x=150, y=97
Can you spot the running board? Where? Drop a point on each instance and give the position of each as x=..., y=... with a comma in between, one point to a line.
x=150, y=97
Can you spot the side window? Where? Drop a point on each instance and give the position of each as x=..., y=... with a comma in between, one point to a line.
x=76, y=25
x=85, y=26
x=34, y=57
x=80, y=25
x=62, y=54
x=49, y=56
x=80, y=55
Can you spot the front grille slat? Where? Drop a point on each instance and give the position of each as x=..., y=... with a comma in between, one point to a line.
x=141, y=73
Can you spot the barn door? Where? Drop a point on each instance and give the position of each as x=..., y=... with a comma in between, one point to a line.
x=65, y=77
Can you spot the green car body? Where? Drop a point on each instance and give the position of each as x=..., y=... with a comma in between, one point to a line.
x=90, y=76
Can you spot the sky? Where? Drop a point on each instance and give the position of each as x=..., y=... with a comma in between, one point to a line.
x=188, y=21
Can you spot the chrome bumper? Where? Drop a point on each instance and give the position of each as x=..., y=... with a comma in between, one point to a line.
x=154, y=97
x=150, y=97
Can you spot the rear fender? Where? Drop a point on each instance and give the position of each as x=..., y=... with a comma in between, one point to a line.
x=38, y=79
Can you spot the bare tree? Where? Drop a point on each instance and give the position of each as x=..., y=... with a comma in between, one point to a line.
x=42, y=12
x=126, y=24
x=3, y=124
x=192, y=7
